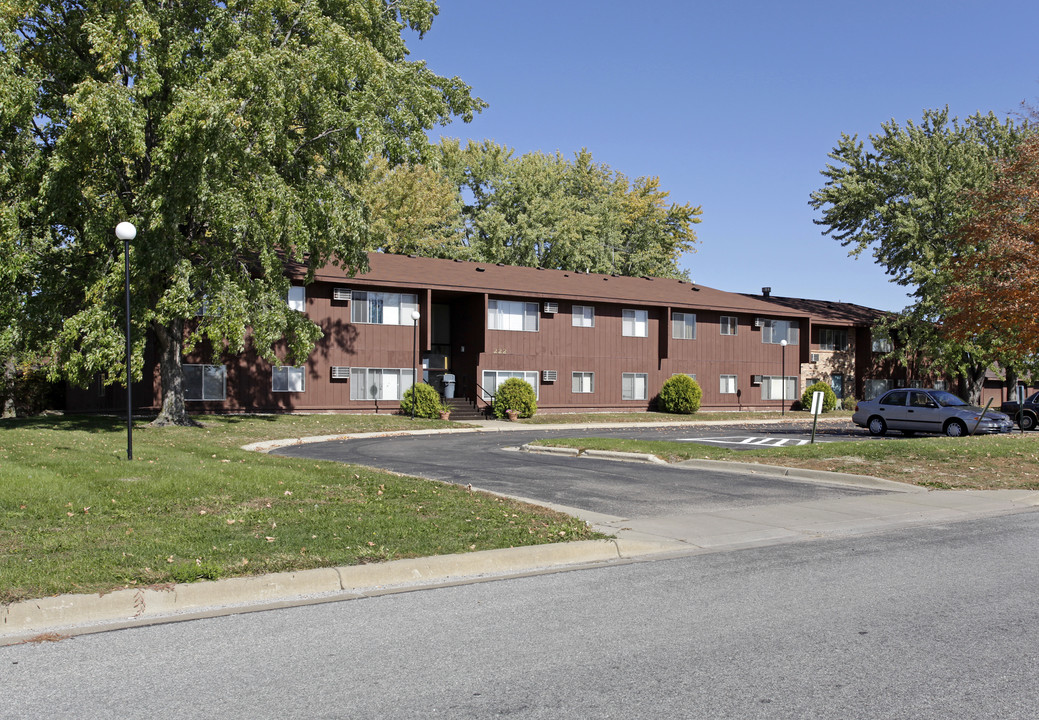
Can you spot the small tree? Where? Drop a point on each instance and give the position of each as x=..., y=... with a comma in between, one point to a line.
x=515, y=394
x=680, y=394
x=829, y=396
x=425, y=399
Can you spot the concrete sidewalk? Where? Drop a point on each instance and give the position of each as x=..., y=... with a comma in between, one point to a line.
x=896, y=505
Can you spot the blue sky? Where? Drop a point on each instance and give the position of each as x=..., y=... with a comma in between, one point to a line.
x=734, y=105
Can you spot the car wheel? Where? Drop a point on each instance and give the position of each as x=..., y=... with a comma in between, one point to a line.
x=955, y=428
x=877, y=426
x=1027, y=422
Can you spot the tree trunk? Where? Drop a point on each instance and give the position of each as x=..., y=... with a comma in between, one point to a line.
x=973, y=381
x=1011, y=383
x=171, y=374
x=7, y=389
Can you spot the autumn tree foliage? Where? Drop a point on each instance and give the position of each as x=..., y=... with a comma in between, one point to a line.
x=994, y=296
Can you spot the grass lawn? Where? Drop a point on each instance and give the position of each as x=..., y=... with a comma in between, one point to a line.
x=77, y=516
x=984, y=462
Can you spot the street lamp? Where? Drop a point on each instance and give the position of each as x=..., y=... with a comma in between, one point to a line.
x=126, y=232
x=782, y=344
x=414, y=378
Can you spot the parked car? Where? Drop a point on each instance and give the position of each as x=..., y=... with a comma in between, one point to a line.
x=914, y=410
x=1029, y=412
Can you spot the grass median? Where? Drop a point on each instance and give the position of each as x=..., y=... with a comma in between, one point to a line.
x=77, y=516
x=984, y=462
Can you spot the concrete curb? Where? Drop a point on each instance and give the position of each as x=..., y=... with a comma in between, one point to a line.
x=79, y=614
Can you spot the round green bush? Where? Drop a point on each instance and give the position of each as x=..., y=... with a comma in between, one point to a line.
x=829, y=396
x=515, y=394
x=680, y=394
x=426, y=400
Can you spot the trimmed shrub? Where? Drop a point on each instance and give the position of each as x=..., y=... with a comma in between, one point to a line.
x=829, y=396
x=680, y=394
x=426, y=399
x=515, y=394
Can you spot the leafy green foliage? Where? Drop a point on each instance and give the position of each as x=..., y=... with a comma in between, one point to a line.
x=515, y=394
x=541, y=210
x=231, y=134
x=425, y=399
x=680, y=394
x=829, y=396
x=904, y=197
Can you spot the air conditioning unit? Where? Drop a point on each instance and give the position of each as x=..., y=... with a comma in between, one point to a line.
x=755, y=379
x=548, y=376
x=815, y=357
x=340, y=373
x=340, y=293
x=551, y=307
x=759, y=322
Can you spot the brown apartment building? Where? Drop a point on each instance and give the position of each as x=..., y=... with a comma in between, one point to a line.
x=584, y=341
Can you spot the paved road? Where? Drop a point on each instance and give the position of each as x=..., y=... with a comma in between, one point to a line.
x=937, y=622
x=601, y=486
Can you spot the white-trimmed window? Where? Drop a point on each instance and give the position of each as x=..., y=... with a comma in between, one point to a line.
x=882, y=343
x=876, y=388
x=728, y=324
x=208, y=308
x=776, y=331
x=727, y=384
x=380, y=383
x=512, y=315
x=583, y=316
x=833, y=339
x=683, y=326
x=297, y=298
x=772, y=387
x=691, y=376
x=583, y=382
x=634, y=386
x=635, y=323
x=493, y=378
x=288, y=379
x=205, y=382
x=379, y=308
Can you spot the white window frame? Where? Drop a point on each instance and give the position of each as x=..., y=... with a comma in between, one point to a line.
x=688, y=375
x=728, y=324
x=582, y=382
x=875, y=387
x=368, y=307
x=363, y=380
x=768, y=387
x=288, y=378
x=835, y=339
x=490, y=387
x=205, y=394
x=630, y=386
x=882, y=344
x=683, y=326
x=727, y=384
x=583, y=316
x=297, y=298
x=635, y=323
x=774, y=332
x=513, y=315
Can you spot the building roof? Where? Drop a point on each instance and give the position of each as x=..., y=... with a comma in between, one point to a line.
x=409, y=271
x=825, y=312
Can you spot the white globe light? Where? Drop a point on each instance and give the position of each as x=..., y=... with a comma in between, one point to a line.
x=415, y=315
x=125, y=231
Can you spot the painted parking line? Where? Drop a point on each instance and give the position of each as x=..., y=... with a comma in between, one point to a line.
x=751, y=440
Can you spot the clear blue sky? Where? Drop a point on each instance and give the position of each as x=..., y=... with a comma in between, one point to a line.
x=734, y=105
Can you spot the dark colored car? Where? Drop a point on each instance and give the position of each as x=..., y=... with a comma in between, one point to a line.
x=1025, y=415
x=913, y=410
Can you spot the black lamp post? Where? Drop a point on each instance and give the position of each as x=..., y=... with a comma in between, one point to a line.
x=782, y=344
x=126, y=232
x=414, y=378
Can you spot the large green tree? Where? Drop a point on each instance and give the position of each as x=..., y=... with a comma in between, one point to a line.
x=903, y=196
x=230, y=132
x=541, y=209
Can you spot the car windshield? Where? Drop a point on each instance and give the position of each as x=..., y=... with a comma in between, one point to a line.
x=946, y=399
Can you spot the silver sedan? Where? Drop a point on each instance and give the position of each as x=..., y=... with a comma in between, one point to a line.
x=914, y=410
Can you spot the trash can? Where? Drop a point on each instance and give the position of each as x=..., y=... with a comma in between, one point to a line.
x=449, y=386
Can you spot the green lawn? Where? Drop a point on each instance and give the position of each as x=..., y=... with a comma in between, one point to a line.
x=988, y=462
x=77, y=516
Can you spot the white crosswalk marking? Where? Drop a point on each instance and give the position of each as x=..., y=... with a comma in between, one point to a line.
x=745, y=440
